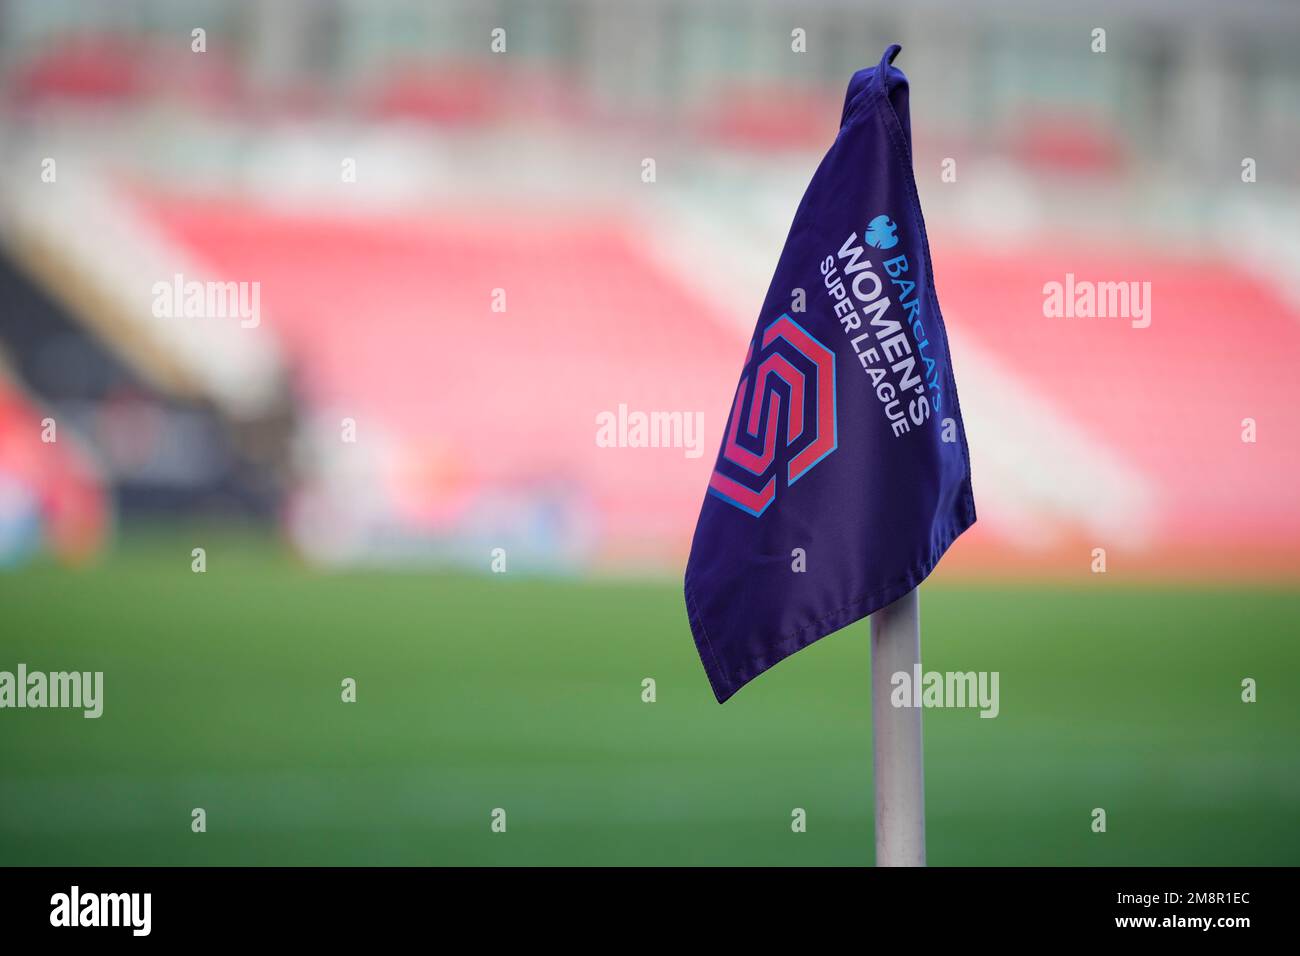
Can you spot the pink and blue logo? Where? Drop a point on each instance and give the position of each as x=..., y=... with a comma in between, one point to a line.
x=788, y=374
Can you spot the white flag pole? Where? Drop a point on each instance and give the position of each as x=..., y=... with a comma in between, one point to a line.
x=896, y=736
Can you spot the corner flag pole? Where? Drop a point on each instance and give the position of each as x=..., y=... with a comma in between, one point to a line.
x=896, y=736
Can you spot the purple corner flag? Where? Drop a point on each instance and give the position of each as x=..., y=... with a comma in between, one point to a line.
x=843, y=474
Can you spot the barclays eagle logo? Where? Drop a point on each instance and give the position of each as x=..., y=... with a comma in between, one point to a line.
x=882, y=233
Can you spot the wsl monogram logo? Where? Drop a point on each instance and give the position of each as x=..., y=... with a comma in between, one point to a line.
x=786, y=392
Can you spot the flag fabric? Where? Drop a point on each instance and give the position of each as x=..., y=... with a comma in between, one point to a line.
x=843, y=474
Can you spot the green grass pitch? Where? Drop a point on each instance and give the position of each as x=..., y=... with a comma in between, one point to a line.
x=222, y=691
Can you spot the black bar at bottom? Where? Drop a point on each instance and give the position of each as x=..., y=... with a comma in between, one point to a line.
x=376, y=904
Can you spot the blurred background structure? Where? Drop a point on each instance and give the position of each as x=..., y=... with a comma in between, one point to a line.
x=380, y=171
x=460, y=264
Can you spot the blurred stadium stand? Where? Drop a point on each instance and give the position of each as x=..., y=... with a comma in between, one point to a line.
x=521, y=171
